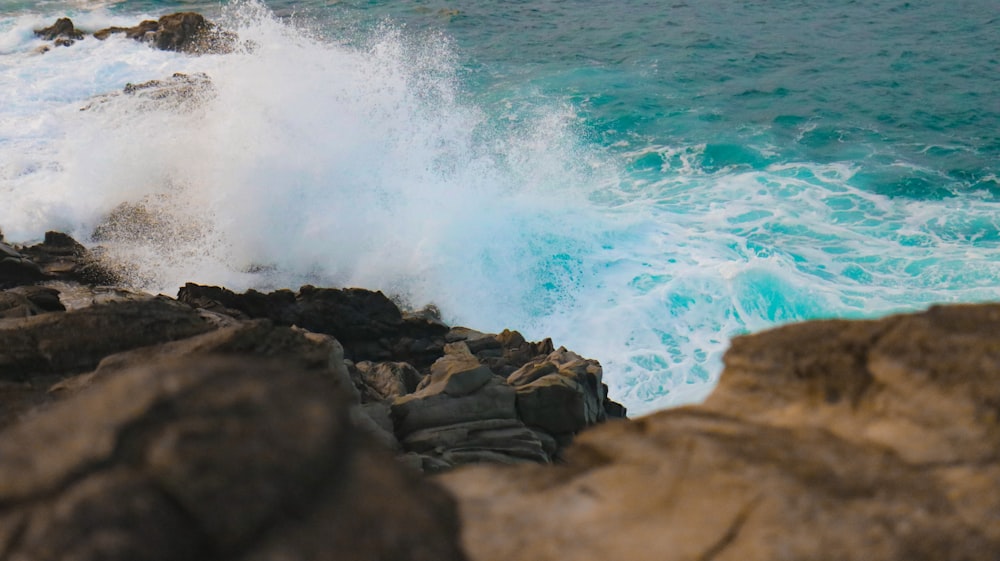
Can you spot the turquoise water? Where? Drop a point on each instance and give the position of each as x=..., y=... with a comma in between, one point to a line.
x=640, y=180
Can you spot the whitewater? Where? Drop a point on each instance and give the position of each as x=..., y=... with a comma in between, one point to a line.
x=639, y=183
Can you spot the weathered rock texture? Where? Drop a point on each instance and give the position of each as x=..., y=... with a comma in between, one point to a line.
x=874, y=440
x=456, y=396
x=182, y=31
x=440, y=403
x=207, y=459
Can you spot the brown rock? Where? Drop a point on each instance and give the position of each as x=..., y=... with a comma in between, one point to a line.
x=560, y=393
x=211, y=459
x=62, y=28
x=186, y=32
x=875, y=440
x=389, y=380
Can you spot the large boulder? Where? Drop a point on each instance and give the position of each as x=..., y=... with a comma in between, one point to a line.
x=875, y=440
x=211, y=459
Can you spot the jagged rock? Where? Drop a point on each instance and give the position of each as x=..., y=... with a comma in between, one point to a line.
x=186, y=32
x=388, y=380
x=561, y=393
x=463, y=413
x=503, y=353
x=458, y=390
x=875, y=440
x=212, y=459
x=75, y=341
x=62, y=28
x=369, y=325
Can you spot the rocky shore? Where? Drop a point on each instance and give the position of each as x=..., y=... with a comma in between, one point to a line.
x=327, y=424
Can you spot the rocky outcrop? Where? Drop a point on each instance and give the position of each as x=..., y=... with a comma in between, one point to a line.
x=183, y=31
x=875, y=440
x=187, y=32
x=210, y=459
x=63, y=33
x=441, y=404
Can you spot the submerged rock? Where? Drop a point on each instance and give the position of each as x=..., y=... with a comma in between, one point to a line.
x=875, y=440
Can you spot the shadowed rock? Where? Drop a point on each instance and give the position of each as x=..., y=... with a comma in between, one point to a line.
x=211, y=459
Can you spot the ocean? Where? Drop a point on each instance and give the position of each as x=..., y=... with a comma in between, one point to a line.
x=640, y=181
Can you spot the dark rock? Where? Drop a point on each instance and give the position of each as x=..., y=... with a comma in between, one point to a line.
x=60, y=257
x=212, y=459
x=367, y=323
x=16, y=269
x=187, y=32
x=178, y=32
x=62, y=28
x=350, y=314
x=279, y=306
x=75, y=341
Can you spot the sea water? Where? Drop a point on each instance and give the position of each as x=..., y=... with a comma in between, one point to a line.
x=641, y=181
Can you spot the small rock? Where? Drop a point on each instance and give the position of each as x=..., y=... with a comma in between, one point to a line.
x=62, y=28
